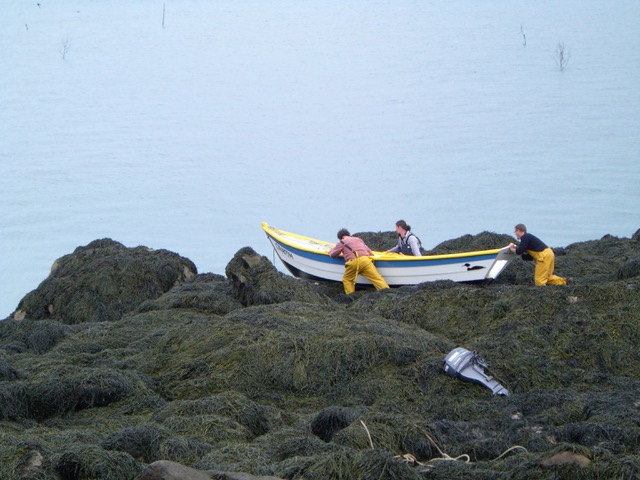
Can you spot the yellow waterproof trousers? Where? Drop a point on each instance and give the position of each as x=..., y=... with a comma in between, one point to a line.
x=361, y=266
x=545, y=264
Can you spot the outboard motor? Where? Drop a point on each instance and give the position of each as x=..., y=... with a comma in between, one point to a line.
x=465, y=365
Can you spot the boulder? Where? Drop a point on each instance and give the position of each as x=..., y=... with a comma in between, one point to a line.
x=103, y=281
x=166, y=470
x=256, y=281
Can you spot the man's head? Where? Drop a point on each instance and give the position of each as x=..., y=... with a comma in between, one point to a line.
x=520, y=230
x=343, y=232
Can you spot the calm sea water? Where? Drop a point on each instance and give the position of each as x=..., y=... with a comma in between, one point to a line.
x=310, y=115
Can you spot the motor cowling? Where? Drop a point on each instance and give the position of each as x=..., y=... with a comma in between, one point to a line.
x=463, y=364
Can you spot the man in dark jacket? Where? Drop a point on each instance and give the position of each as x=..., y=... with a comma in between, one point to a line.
x=543, y=255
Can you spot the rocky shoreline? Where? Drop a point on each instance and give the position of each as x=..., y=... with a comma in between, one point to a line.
x=126, y=363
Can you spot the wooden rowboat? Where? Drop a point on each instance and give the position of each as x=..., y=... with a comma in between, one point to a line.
x=309, y=258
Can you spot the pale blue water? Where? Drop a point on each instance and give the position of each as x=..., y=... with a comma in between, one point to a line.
x=310, y=115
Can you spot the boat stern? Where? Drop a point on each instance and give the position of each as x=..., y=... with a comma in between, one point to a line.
x=504, y=257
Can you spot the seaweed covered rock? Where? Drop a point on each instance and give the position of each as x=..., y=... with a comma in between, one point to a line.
x=60, y=391
x=596, y=261
x=102, y=281
x=7, y=371
x=363, y=464
x=88, y=461
x=255, y=419
x=141, y=442
x=167, y=470
x=36, y=336
x=469, y=243
x=257, y=282
x=333, y=419
x=629, y=269
x=382, y=241
x=204, y=292
x=379, y=241
x=268, y=378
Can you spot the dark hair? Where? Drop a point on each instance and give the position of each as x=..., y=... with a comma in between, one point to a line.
x=343, y=232
x=402, y=224
x=521, y=227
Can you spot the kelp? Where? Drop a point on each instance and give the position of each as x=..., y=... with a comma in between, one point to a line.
x=87, y=461
x=262, y=373
x=102, y=281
